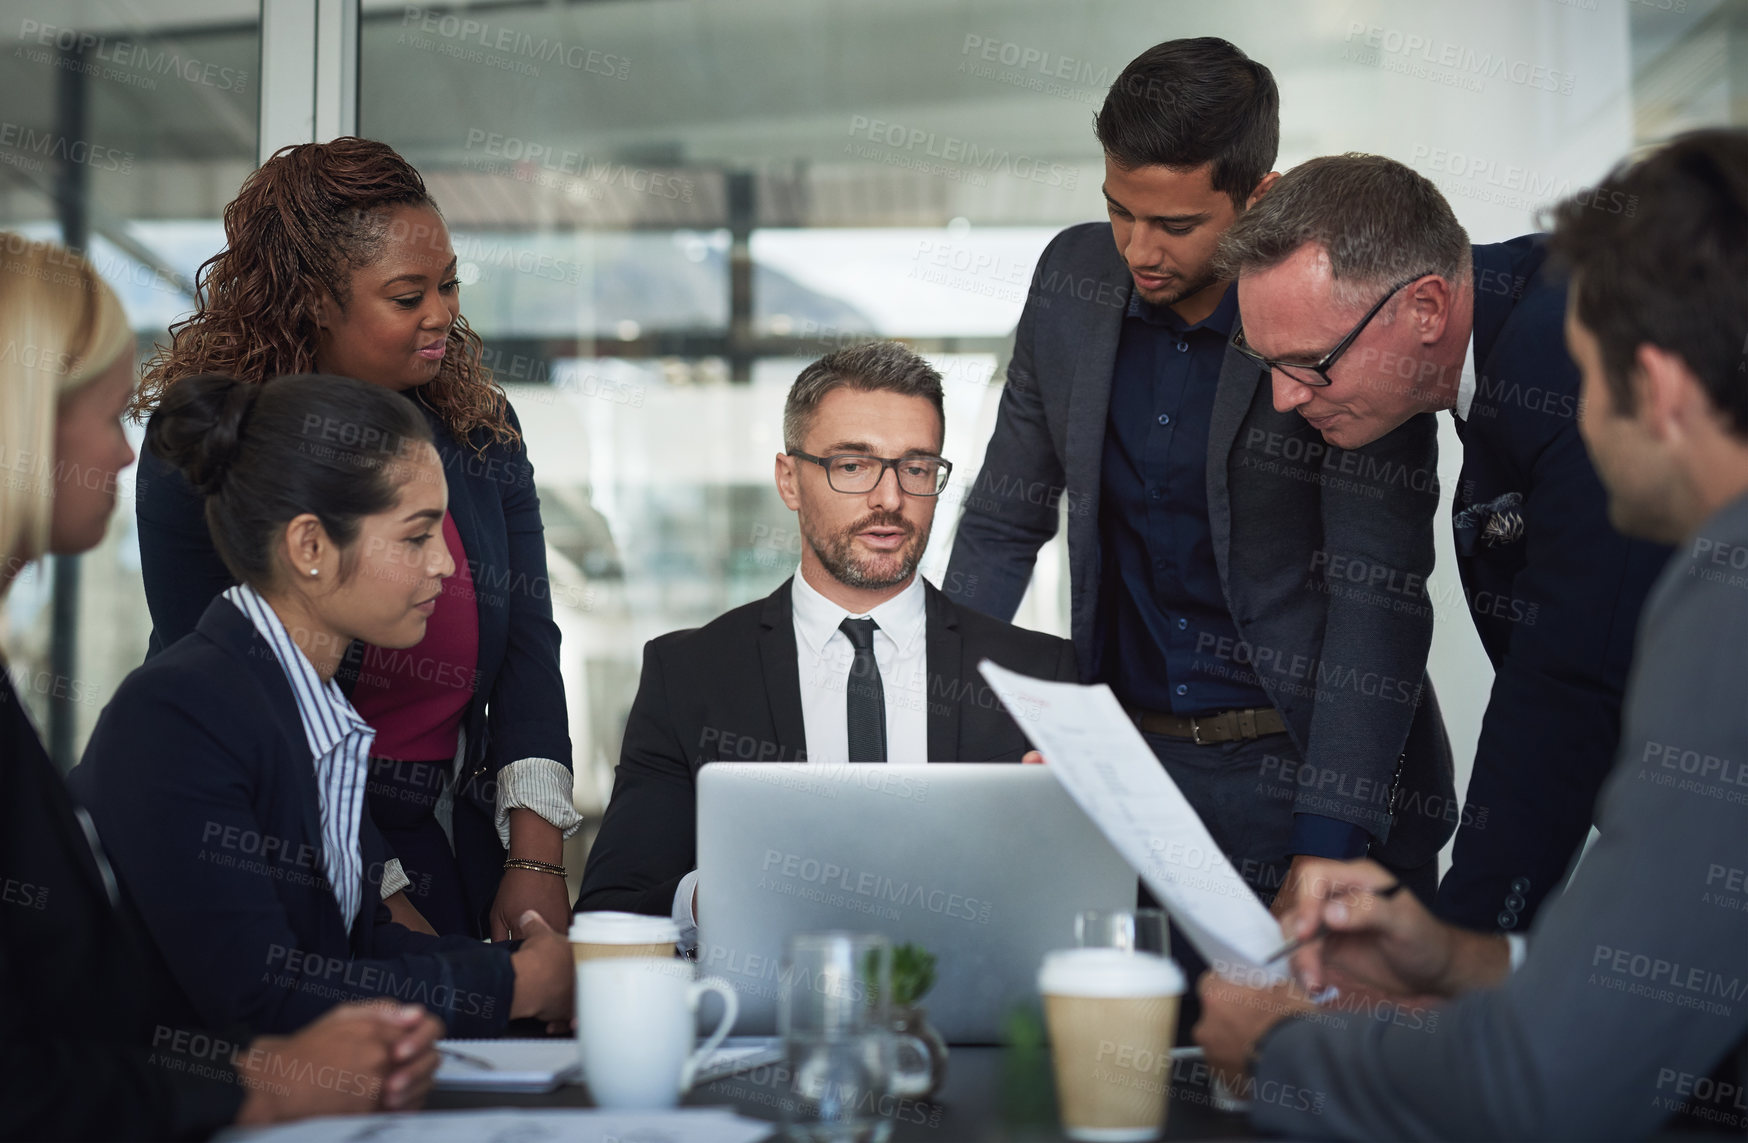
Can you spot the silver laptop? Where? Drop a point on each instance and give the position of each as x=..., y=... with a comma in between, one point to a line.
x=984, y=865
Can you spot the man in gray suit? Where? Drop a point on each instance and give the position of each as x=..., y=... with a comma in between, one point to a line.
x=1632, y=991
x=1254, y=597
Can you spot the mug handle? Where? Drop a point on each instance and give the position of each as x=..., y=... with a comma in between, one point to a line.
x=730, y=1011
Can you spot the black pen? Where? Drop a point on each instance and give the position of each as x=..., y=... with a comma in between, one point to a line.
x=467, y=1058
x=1298, y=943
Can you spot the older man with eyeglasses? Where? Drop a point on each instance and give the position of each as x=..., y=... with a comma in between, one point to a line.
x=1362, y=296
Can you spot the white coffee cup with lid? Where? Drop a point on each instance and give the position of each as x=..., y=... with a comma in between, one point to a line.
x=600, y=935
x=1112, y=1017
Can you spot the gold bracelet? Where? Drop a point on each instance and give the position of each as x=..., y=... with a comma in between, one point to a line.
x=536, y=866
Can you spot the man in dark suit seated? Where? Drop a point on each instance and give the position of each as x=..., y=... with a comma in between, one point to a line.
x=1361, y=293
x=857, y=658
x=1211, y=538
x=1632, y=993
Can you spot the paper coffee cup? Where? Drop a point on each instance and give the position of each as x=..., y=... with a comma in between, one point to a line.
x=595, y=936
x=1112, y=1016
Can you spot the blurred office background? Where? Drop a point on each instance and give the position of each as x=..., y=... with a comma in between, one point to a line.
x=662, y=208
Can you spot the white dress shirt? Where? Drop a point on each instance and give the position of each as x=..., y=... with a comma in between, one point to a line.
x=1466, y=381
x=823, y=656
x=339, y=742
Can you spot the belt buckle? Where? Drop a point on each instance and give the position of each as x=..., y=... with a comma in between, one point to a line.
x=1223, y=720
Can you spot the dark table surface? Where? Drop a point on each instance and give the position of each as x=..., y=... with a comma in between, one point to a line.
x=991, y=1094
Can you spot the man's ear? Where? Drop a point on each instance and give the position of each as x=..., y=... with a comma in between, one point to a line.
x=1669, y=400
x=1262, y=188
x=788, y=481
x=1428, y=307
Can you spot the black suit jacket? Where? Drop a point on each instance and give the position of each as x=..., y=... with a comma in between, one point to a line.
x=518, y=707
x=1292, y=517
x=730, y=692
x=200, y=780
x=76, y=1047
x=1555, y=599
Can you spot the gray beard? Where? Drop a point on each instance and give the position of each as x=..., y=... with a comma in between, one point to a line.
x=835, y=557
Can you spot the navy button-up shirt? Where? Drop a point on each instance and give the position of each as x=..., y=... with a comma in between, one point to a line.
x=1163, y=614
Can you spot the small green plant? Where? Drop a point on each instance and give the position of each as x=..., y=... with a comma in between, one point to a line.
x=913, y=974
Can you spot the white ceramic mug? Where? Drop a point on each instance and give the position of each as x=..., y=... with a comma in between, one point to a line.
x=637, y=1038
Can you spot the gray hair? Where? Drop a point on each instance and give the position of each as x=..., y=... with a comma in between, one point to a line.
x=879, y=366
x=1379, y=221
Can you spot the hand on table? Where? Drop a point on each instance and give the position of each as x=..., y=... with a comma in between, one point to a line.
x=545, y=972
x=356, y=1058
x=1234, y=1018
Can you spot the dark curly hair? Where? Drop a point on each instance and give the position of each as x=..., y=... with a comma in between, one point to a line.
x=298, y=228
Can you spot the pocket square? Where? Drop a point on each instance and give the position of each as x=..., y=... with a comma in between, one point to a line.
x=1492, y=524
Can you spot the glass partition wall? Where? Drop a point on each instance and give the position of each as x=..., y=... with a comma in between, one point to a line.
x=126, y=129
x=662, y=209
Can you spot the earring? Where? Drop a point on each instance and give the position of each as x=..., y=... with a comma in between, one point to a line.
x=313, y=571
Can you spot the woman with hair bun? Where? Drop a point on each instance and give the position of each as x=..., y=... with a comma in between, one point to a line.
x=79, y=1055
x=337, y=261
x=227, y=775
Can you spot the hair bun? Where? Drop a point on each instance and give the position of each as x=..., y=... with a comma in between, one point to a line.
x=199, y=427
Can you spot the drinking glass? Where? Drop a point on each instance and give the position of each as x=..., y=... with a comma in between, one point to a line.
x=1132, y=930
x=833, y=1013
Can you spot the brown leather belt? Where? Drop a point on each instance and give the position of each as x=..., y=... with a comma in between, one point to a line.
x=1209, y=729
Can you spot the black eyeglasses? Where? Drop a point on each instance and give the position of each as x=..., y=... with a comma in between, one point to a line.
x=854, y=473
x=1316, y=374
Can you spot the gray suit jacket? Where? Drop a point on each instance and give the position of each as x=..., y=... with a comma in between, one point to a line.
x=1294, y=522
x=1636, y=983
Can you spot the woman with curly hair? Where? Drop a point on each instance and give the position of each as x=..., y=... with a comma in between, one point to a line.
x=338, y=261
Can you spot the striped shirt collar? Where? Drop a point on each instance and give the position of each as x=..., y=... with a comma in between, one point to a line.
x=339, y=742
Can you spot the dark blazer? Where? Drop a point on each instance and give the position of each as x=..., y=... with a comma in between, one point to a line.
x=1345, y=664
x=730, y=691
x=76, y=1044
x=200, y=780
x=1555, y=594
x=518, y=708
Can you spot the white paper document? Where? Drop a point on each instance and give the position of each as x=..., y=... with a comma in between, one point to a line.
x=540, y=1065
x=684, y=1125
x=1100, y=758
x=515, y=1065
x=739, y=1054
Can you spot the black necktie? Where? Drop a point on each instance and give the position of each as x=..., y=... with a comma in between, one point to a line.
x=865, y=699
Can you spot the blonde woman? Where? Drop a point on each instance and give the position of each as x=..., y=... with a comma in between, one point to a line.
x=78, y=1058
